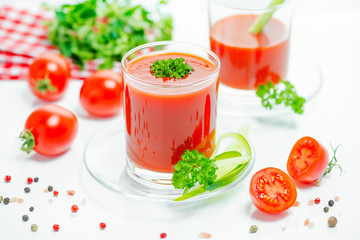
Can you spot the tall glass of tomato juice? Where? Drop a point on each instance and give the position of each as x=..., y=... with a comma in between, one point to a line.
x=166, y=116
x=250, y=59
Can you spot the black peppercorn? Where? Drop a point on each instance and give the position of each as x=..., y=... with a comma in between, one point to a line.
x=331, y=203
x=36, y=179
x=25, y=218
x=50, y=188
x=31, y=209
x=27, y=189
x=6, y=200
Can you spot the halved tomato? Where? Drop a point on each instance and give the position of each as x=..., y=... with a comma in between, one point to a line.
x=272, y=190
x=308, y=160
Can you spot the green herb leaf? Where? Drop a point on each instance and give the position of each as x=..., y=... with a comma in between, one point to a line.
x=171, y=68
x=105, y=30
x=193, y=168
x=283, y=92
x=333, y=162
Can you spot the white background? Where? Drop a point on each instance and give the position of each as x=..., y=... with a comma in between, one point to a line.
x=327, y=31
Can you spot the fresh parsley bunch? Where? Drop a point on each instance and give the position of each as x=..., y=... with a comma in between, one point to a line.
x=105, y=29
x=194, y=168
x=271, y=94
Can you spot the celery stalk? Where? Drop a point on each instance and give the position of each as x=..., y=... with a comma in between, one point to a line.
x=261, y=21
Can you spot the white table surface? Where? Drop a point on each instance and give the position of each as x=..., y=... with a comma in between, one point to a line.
x=328, y=32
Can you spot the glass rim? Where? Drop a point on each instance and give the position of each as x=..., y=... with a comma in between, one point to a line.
x=281, y=5
x=171, y=85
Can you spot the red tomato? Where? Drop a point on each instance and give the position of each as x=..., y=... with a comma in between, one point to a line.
x=49, y=75
x=307, y=161
x=49, y=130
x=102, y=93
x=272, y=190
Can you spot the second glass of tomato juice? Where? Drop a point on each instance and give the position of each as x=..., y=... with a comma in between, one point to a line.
x=251, y=38
x=165, y=115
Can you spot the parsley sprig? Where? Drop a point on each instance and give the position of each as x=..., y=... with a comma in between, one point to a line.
x=283, y=92
x=171, y=68
x=194, y=168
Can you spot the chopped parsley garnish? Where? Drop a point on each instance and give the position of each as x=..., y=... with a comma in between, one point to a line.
x=171, y=68
x=283, y=92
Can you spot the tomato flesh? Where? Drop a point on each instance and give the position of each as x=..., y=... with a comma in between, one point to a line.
x=307, y=161
x=102, y=93
x=272, y=190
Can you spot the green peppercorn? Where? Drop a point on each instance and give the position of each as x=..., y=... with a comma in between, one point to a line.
x=34, y=227
x=331, y=203
x=1, y=199
x=326, y=209
x=332, y=221
x=25, y=218
x=253, y=229
x=31, y=209
x=50, y=188
x=6, y=200
x=27, y=189
x=36, y=179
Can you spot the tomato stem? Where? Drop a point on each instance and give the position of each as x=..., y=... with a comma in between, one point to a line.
x=45, y=85
x=333, y=162
x=28, y=141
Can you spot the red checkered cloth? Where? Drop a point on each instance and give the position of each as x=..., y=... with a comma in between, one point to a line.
x=23, y=37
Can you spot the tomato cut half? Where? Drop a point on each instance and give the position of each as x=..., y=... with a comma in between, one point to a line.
x=272, y=190
x=308, y=160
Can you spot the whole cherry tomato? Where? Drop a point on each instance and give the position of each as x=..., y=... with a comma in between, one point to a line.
x=49, y=130
x=49, y=75
x=102, y=93
x=307, y=161
x=272, y=190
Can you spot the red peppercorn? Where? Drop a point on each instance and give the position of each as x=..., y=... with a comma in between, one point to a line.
x=74, y=208
x=56, y=193
x=7, y=178
x=317, y=201
x=163, y=235
x=29, y=180
x=102, y=225
x=56, y=227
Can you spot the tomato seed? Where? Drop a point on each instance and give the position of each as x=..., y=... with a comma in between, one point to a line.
x=296, y=204
x=163, y=235
x=74, y=208
x=337, y=198
x=20, y=200
x=29, y=180
x=311, y=202
x=317, y=200
x=102, y=225
x=13, y=199
x=56, y=227
x=7, y=178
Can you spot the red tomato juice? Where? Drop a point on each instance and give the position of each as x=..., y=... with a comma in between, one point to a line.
x=247, y=59
x=161, y=123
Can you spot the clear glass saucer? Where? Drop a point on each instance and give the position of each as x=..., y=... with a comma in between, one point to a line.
x=303, y=73
x=105, y=160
